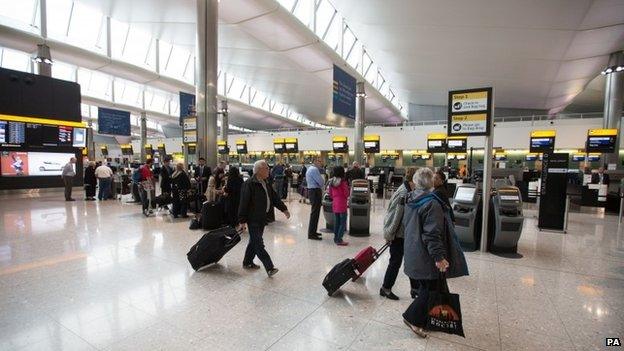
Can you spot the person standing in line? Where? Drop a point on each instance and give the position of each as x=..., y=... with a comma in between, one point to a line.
x=104, y=175
x=432, y=252
x=90, y=181
x=355, y=172
x=202, y=174
x=180, y=185
x=315, y=185
x=256, y=200
x=147, y=185
x=232, y=193
x=165, y=179
x=339, y=191
x=393, y=232
x=68, y=173
x=601, y=177
x=277, y=173
x=441, y=190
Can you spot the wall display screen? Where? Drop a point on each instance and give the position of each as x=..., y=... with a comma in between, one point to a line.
x=49, y=135
x=436, y=145
x=24, y=164
x=371, y=147
x=340, y=146
x=104, y=150
x=578, y=158
x=127, y=150
x=3, y=132
x=162, y=150
x=17, y=132
x=65, y=136
x=460, y=157
x=292, y=147
x=80, y=137
x=279, y=148
x=149, y=150
x=456, y=145
x=601, y=143
x=500, y=157
x=192, y=149
x=530, y=157
x=223, y=149
x=34, y=134
x=542, y=144
x=113, y=122
x=241, y=148
x=343, y=102
x=464, y=194
x=593, y=158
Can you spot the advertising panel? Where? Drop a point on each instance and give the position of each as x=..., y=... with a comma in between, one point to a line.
x=22, y=163
x=344, y=86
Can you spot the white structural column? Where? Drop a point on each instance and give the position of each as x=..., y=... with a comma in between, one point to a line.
x=614, y=95
x=143, y=135
x=358, y=141
x=206, y=80
x=487, y=180
x=225, y=127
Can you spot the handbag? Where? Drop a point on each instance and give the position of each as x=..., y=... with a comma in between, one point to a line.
x=444, y=310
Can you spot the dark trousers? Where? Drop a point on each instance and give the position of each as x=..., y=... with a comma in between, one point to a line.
x=179, y=206
x=316, y=196
x=416, y=313
x=146, y=197
x=69, y=183
x=394, y=265
x=105, y=187
x=256, y=247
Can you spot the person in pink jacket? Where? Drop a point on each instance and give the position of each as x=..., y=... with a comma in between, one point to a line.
x=339, y=192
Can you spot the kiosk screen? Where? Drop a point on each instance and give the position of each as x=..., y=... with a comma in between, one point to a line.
x=465, y=194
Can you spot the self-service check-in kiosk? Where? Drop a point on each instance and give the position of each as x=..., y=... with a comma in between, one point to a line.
x=328, y=212
x=359, y=208
x=506, y=220
x=467, y=211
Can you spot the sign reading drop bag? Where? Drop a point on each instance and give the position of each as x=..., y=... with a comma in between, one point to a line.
x=469, y=112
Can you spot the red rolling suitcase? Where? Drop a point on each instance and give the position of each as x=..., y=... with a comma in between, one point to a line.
x=366, y=257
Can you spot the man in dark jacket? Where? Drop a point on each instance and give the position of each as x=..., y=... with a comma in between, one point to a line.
x=257, y=196
x=355, y=172
x=601, y=177
x=165, y=179
x=202, y=174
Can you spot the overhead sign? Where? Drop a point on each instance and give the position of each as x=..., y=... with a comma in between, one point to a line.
x=190, y=136
x=371, y=144
x=222, y=147
x=339, y=144
x=343, y=93
x=291, y=145
x=190, y=123
x=241, y=146
x=542, y=141
x=601, y=140
x=469, y=112
x=436, y=142
x=456, y=144
x=187, y=106
x=113, y=122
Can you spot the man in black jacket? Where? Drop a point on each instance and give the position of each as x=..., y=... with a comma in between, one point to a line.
x=355, y=172
x=202, y=174
x=256, y=200
x=601, y=177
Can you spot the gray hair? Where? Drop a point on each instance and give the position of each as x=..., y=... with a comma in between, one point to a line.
x=423, y=179
x=259, y=164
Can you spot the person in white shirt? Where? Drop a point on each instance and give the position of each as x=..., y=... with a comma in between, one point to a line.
x=104, y=174
x=68, y=174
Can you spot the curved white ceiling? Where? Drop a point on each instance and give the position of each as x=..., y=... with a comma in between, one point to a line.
x=536, y=54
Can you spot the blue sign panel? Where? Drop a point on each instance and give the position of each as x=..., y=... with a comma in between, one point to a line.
x=344, y=93
x=187, y=106
x=113, y=122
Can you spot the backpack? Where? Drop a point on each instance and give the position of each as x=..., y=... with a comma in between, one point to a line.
x=136, y=176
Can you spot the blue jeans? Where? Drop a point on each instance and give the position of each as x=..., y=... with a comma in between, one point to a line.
x=105, y=188
x=340, y=225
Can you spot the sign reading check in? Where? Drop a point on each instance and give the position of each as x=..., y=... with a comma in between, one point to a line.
x=469, y=112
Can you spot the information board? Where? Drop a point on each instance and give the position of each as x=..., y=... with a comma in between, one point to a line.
x=113, y=122
x=601, y=140
x=241, y=147
x=553, y=191
x=469, y=112
x=344, y=86
x=454, y=144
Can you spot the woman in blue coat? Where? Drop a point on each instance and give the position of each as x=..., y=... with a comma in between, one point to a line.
x=432, y=252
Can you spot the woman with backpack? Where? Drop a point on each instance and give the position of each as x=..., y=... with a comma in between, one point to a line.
x=432, y=251
x=339, y=191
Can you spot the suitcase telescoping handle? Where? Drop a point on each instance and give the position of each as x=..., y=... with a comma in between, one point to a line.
x=382, y=249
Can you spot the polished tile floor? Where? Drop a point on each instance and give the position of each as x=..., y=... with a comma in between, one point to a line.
x=98, y=275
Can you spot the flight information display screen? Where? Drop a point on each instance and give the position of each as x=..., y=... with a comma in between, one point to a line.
x=65, y=136
x=80, y=137
x=601, y=143
x=436, y=145
x=49, y=135
x=541, y=145
x=17, y=132
x=371, y=147
x=3, y=132
x=456, y=145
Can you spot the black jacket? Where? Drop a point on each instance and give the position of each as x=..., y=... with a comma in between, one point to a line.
x=206, y=175
x=165, y=179
x=181, y=183
x=89, y=176
x=355, y=173
x=442, y=193
x=595, y=179
x=232, y=201
x=253, y=203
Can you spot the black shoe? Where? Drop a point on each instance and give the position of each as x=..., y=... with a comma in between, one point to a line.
x=251, y=266
x=272, y=272
x=316, y=236
x=388, y=294
x=70, y=199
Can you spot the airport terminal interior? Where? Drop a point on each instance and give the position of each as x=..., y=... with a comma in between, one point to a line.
x=311, y=175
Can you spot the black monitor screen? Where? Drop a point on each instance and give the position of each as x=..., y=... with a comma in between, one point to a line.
x=34, y=134
x=578, y=158
x=49, y=135
x=340, y=146
x=593, y=158
x=371, y=147
x=292, y=147
x=456, y=145
x=601, y=143
x=436, y=145
x=542, y=144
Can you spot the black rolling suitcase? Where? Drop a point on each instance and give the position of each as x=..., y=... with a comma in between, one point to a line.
x=212, y=215
x=339, y=275
x=212, y=247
